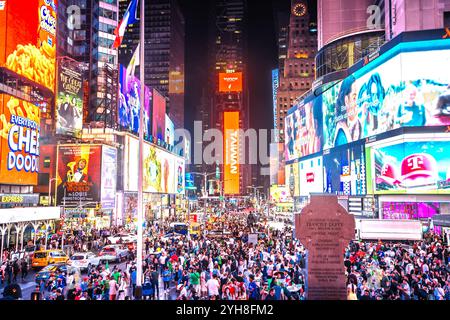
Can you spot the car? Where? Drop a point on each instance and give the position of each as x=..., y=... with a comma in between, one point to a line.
x=84, y=260
x=52, y=269
x=43, y=258
x=113, y=253
x=122, y=238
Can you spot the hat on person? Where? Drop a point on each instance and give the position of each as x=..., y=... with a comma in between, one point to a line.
x=13, y=291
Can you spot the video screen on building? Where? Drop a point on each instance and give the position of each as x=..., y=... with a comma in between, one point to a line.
x=170, y=131
x=69, y=100
x=19, y=131
x=230, y=82
x=79, y=175
x=412, y=167
x=159, y=115
x=28, y=39
x=109, y=176
x=292, y=179
x=129, y=104
x=231, y=152
x=280, y=193
x=412, y=89
x=345, y=170
x=311, y=176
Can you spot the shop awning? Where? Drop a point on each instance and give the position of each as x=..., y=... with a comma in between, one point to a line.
x=442, y=220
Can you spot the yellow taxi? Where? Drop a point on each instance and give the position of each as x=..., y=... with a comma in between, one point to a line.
x=195, y=229
x=43, y=258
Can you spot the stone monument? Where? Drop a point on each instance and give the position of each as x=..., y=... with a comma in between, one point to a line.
x=325, y=228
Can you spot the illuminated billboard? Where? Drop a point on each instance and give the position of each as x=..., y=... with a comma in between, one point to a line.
x=413, y=167
x=159, y=115
x=275, y=85
x=292, y=179
x=410, y=89
x=129, y=104
x=311, y=176
x=79, y=175
x=345, y=170
x=230, y=82
x=28, y=39
x=170, y=131
x=280, y=193
x=231, y=152
x=69, y=100
x=19, y=130
x=109, y=174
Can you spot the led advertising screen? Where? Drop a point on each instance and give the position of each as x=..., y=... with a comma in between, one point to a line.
x=345, y=171
x=311, y=176
x=130, y=164
x=69, y=100
x=231, y=152
x=129, y=103
x=170, y=131
x=159, y=116
x=180, y=175
x=302, y=132
x=230, y=82
x=410, y=89
x=28, y=39
x=280, y=193
x=79, y=175
x=292, y=179
x=275, y=85
x=412, y=167
x=19, y=130
x=109, y=174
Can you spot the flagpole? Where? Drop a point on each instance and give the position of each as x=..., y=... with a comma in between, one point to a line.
x=140, y=206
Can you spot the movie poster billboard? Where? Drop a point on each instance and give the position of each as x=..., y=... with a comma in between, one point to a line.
x=109, y=174
x=19, y=131
x=303, y=135
x=345, y=170
x=417, y=167
x=411, y=89
x=79, y=175
x=28, y=39
x=311, y=176
x=159, y=115
x=129, y=104
x=69, y=100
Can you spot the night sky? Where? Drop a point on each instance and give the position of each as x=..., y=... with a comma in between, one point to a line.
x=262, y=56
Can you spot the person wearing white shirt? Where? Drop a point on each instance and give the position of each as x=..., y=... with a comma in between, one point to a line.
x=213, y=286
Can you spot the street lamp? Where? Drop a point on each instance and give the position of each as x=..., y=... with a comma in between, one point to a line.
x=255, y=192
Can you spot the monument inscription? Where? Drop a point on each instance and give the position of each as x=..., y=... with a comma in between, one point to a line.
x=325, y=228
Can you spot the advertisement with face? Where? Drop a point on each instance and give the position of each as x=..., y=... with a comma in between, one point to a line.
x=69, y=101
x=180, y=175
x=129, y=103
x=78, y=175
x=20, y=129
x=345, y=171
x=109, y=173
x=311, y=176
x=28, y=39
x=400, y=92
x=159, y=116
x=412, y=167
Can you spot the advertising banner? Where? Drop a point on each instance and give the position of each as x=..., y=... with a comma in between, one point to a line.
x=412, y=167
x=28, y=39
x=159, y=116
x=292, y=179
x=129, y=104
x=275, y=85
x=69, y=101
x=279, y=193
x=231, y=152
x=311, y=176
x=303, y=136
x=345, y=171
x=19, y=130
x=170, y=131
x=180, y=175
x=79, y=175
x=408, y=90
x=230, y=82
x=109, y=174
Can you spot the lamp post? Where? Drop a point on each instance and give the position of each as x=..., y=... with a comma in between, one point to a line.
x=255, y=192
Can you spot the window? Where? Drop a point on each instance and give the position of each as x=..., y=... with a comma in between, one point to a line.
x=47, y=162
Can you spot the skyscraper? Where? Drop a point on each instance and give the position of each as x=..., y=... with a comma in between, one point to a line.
x=164, y=52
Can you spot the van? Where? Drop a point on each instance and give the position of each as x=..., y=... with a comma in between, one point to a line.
x=43, y=258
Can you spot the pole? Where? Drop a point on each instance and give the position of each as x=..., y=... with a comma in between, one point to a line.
x=64, y=218
x=140, y=204
x=49, y=191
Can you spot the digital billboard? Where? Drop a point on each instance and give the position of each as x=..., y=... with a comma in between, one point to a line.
x=159, y=115
x=412, y=167
x=180, y=175
x=292, y=179
x=231, y=152
x=129, y=104
x=79, y=175
x=311, y=176
x=69, y=100
x=28, y=39
x=230, y=82
x=19, y=130
x=170, y=131
x=109, y=174
x=411, y=89
x=303, y=135
x=345, y=170
x=275, y=85
x=280, y=193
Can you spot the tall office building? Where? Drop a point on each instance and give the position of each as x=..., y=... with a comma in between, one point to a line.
x=164, y=52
